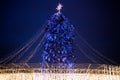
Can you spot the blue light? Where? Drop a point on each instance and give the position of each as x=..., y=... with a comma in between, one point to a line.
x=58, y=45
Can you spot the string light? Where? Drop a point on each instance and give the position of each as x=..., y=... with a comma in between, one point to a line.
x=102, y=72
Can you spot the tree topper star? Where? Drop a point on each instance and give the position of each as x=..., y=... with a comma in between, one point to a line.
x=59, y=7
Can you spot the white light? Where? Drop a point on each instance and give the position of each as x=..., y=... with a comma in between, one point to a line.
x=59, y=76
x=99, y=72
x=59, y=7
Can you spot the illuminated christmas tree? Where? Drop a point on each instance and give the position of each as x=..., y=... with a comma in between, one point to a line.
x=58, y=47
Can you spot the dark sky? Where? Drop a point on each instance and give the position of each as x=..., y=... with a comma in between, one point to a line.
x=98, y=22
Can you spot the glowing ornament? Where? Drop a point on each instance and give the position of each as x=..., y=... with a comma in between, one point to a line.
x=59, y=7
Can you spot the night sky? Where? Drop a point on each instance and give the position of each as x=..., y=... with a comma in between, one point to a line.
x=98, y=22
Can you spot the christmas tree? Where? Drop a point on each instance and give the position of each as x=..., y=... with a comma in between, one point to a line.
x=58, y=47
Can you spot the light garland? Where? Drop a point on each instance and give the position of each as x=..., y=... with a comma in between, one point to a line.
x=91, y=72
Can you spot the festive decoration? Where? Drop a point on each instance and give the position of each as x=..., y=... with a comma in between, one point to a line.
x=59, y=7
x=58, y=47
x=59, y=51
